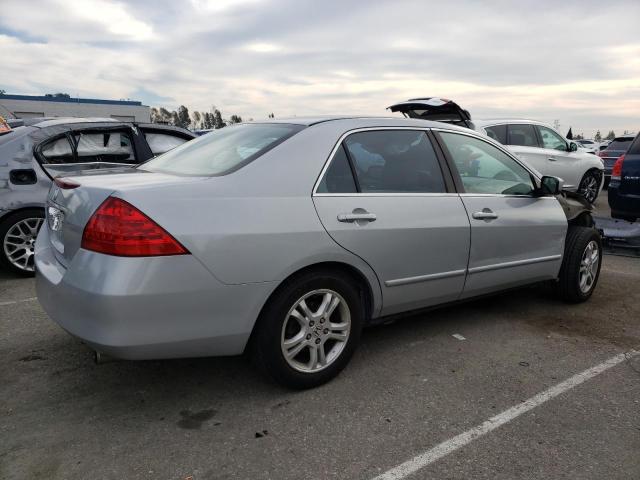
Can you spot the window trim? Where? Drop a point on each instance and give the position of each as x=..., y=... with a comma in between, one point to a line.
x=458, y=179
x=447, y=175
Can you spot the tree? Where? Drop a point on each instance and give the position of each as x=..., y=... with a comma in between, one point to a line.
x=196, y=119
x=235, y=119
x=175, y=119
x=597, y=137
x=580, y=136
x=217, y=119
x=57, y=95
x=155, y=115
x=2, y=91
x=611, y=135
x=183, y=117
x=271, y=115
x=165, y=115
x=570, y=134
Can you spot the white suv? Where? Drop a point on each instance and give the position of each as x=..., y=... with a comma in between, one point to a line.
x=538, y=144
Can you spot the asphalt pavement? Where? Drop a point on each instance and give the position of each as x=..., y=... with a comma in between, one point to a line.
x=486, y=389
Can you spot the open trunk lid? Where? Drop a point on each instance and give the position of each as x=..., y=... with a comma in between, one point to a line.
x=73, y=200
x=435, y=109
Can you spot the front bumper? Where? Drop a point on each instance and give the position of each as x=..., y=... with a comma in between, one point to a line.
x=146, y=308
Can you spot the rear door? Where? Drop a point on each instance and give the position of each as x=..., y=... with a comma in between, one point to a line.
x=384, y=197
x=516, y=237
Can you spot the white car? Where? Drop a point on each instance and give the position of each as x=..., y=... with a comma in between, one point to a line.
x=538, y=144
x=588, y=145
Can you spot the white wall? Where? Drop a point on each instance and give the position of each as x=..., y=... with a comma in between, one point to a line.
x=32, y=108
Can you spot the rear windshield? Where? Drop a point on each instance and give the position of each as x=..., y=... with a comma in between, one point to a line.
x=620, y=144
x=222, y=151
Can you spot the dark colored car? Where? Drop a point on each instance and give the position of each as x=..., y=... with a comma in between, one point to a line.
x=38, y=150
x=624, y=189
x=612, y=152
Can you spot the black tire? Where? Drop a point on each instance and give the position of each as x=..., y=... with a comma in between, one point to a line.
x=589, y=186
x=266, y=340
x=5, y=226
x=569, y=285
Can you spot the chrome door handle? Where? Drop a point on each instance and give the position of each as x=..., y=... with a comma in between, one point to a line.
x=357, y=217
x=485, y=214
x=551, y=159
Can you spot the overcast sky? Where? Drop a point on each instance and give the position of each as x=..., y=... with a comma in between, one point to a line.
x=578, y=62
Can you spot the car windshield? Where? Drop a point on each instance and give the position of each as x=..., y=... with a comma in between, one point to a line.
x=222, y=152
x=620, y=143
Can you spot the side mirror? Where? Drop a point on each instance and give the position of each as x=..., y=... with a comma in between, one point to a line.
x=573, y=147
x=551, y=185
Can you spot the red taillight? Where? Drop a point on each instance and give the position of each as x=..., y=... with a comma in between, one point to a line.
x=65, y=184
x=616, y=171
x=119, y=228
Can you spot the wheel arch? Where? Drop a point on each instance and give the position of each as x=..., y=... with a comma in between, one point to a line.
x=372, y=303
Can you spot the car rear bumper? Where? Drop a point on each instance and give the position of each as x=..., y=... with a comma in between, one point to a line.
x=145, y=308
x=623, y=204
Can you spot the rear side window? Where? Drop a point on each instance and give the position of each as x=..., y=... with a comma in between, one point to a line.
x=338, y=177
x=224, y=151
x=523, y=135
x=498, y=133
x=160, y=143
x=57, y=151
x=635, y=146
x=106, y=147
x=395, y=161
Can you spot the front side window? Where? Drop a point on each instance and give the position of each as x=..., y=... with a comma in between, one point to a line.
x=484, y=168
x=107, y=147
x=523, y=135
x=498, y=133
x=223, y=151
x=395, y=161
x=551, y=139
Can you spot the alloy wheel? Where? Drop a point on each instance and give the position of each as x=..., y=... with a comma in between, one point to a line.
x=589, y=266
x=315, y=331
x=589, y=187
x=19, y=243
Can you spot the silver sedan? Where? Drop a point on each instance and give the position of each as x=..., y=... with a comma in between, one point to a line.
x=286, y=238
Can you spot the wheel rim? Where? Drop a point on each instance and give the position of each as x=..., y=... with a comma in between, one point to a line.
x=19, y=243
x=315, y=331
x=589, y=188
x=589, y=266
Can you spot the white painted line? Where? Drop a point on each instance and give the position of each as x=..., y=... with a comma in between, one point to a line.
x=458, y=336
x=420, y=461
x=13, y=302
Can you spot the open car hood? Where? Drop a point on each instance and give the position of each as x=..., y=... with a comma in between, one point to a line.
x=436, y=109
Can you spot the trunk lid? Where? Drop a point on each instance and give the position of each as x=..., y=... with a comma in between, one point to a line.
x=435, y=109
x=68, y=209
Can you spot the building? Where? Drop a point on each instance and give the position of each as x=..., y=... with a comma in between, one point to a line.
x=30, y=106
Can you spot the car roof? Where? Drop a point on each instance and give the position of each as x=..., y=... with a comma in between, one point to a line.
x=495, y=121
x=50, y=122
x=364, y=121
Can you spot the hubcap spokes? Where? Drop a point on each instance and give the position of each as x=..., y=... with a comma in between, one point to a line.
x=315, y=331
x=589, y=266
x=19, y=243
x=590, y=188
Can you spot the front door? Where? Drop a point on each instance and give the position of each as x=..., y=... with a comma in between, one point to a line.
x=516, y=237
x=385, y=199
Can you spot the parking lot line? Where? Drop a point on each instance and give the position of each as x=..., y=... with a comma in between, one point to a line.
x=13, y=302
x=422, y=460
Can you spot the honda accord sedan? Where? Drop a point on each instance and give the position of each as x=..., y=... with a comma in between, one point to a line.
x=286, y=238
